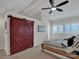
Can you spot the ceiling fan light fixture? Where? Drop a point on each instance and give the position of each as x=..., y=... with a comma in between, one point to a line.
x=53, y=9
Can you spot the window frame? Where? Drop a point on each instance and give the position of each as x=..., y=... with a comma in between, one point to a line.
x=63, y=28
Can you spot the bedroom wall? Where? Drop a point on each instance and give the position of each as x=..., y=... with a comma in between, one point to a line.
x=39, y=37
x=64, y=21
x=2, y=36
x=42, y=36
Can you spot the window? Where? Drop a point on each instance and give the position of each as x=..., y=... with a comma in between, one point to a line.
x=67, y=28
x=54, y=29
x=57, y=28
x=60, y=28
x=75, y=27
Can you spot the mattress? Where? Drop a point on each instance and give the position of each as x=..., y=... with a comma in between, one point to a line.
x=57, y=42
x=57, y=45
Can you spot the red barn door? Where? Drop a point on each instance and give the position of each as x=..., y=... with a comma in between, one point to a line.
x=21, y=34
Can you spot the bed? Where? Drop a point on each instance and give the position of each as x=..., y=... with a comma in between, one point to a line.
x=59, y=49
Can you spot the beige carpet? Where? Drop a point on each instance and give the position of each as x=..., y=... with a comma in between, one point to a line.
x=32, y=53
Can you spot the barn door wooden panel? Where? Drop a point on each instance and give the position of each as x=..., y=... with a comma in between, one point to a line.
x=21, y=34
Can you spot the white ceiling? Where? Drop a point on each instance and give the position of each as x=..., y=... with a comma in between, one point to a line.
x=32, y=8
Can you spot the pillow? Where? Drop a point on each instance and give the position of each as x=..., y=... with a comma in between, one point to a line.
x=70, y=41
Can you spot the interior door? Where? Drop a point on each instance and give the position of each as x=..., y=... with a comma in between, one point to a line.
x=21, y=34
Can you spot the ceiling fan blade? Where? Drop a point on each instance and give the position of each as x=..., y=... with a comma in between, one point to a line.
x=59, y=9
x=50, y=11
x=63, y=3
x=51, y=2
x=45, y=8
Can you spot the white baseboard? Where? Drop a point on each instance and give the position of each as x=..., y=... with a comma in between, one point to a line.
x=37, y=44
x=7, y=52
x=2, y=49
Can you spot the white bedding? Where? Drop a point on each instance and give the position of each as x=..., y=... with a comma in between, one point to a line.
x=58, y=43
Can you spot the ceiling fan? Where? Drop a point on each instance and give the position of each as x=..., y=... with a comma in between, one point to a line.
x=55, y=7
